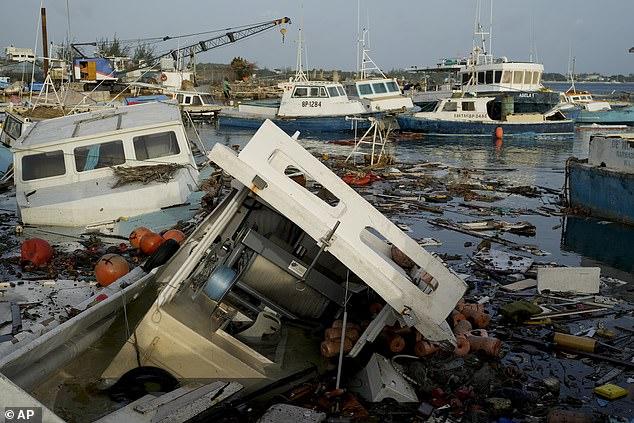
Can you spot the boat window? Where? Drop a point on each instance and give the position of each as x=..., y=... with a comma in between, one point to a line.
x=480, y=77
x=43, y=165
x=322, y=92
x=468, y=106
x=97, y=156
x=465, y=78
x=179, y=98
x=537, y=79
x=207, y=98
x=197, y=101
x=506, y=77
x=365, y=89
x=187, y=99
x=393, y=87
x=12, y=127
x=497, y=76
x=300, y=92
x=379, y=88
x=518, y=77
x=314, y=91
x=489, y=77
x=341, y=91
x=152, y=146
x=333, y=91
x=450, y=107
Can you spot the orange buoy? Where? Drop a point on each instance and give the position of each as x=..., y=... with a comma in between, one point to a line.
x=36, y=251
x=109, y=268
x=499, y=132
x=462, y=346
x=175, y=234
x=137, y=234
x=425, y=348
x=150, y=242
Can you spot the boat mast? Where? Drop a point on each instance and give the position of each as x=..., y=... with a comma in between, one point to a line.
x=299, y=70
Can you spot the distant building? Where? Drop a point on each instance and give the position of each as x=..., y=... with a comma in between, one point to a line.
x=14, y=54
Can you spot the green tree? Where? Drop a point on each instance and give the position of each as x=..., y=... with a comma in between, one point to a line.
x=114, y=48
x=143, y=53
x=241, y=67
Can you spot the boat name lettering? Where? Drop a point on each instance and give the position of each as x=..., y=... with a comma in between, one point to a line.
x=625, y=154
x=528, y=95
x=470, y=115
x=311, y=103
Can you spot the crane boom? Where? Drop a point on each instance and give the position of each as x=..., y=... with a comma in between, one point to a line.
x=227, y=38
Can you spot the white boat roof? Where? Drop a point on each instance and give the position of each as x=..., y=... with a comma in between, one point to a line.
x=98, y=122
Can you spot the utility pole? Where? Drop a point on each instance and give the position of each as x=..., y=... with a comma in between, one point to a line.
x=44, y=42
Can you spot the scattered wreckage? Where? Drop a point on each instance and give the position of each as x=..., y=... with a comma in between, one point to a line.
x=287, y=269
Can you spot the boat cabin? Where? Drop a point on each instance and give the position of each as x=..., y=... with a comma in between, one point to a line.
x=12, y=127
x=379, y=95
x=195, y=99
x=65, y=167
x=502, y=75
x=316, y=98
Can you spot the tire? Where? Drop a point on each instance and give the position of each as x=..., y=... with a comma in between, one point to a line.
x=162, y=255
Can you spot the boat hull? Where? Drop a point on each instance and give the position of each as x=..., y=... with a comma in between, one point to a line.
x=602, y=192
x=446, y=127
x=615, y=116
x=303, y=124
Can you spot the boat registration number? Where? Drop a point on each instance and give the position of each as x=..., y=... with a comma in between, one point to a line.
x=311, y=103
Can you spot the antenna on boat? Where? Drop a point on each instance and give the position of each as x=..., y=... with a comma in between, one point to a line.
x=367, y=64
x=299, y=70
x=358, y=35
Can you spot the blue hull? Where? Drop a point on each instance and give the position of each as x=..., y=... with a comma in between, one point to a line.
x=615, y=116
x=602, y=192
x=441, y=127
x=290, y=125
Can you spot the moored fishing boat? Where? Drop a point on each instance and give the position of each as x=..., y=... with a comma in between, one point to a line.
x=478, y=116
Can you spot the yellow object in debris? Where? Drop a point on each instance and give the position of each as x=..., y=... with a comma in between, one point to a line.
x=610, y=391
x=574, y=342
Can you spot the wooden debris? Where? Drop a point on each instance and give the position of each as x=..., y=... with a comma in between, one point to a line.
x=145, y=174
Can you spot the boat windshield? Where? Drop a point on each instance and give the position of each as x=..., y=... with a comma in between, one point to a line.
x=379, y=88
x=333, y=92
x=392, y=87
x=152, y=146
x=97, y=156
x=207, y=98
x=12, y=127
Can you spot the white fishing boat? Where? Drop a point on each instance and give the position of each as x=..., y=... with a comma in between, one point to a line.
x=478, y=116
x=483, y=74
x=66, y=168
x=274, y=251
x=304, y=106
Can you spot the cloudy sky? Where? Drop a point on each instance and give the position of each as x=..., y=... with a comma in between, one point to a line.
x=403, y=32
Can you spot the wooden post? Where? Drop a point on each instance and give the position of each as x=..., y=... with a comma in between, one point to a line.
x=44, y=42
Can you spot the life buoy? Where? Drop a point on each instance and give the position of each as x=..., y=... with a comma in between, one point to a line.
x=163, y=77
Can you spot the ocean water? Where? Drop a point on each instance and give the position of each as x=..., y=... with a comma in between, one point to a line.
x=598, y=88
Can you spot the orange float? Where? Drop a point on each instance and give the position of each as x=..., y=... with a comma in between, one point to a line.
x=137, y=234
x=109, y=268
x=499, y=132
x=150, y=242
x=36, y=251
x=175, y=234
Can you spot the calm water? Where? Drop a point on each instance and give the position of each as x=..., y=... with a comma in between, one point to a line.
x=593, y=87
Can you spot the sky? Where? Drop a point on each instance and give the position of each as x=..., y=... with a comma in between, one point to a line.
x=402, y=33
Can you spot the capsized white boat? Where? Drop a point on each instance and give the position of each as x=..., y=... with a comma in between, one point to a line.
x=66, y=168
x=275, y=250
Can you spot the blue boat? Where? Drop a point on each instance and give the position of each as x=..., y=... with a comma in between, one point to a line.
x=479, y=116
x=603, y=185
x=582, y=108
